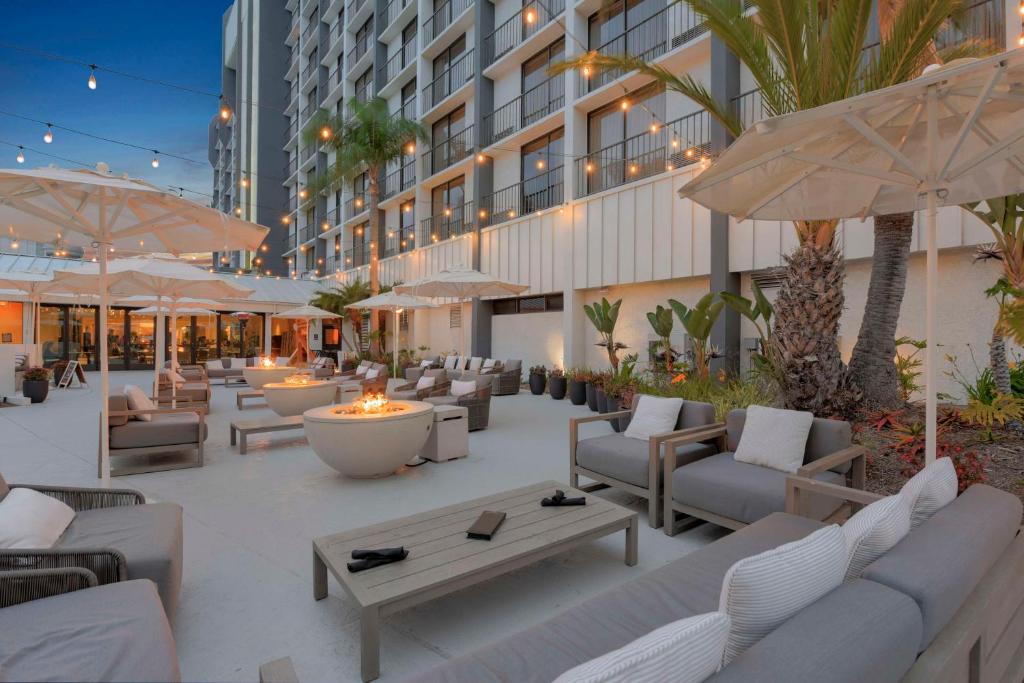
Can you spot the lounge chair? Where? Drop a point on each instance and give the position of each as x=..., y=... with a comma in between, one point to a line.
x=409, y=392
x=222, y=368
x=170, y=430
x=322, y=367
x=477, y=402
x=195, y=391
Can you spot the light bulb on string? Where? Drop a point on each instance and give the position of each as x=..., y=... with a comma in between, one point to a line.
x=531, y=16
x=540, y=164
x=244, y=182
x=225, y=110
x=156, y=159
x=48, y=135
x=92, y=77
x=21, y=155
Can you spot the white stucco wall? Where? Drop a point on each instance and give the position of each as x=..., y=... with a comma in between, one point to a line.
x=536, y=338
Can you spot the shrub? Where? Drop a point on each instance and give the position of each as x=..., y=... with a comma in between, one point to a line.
x=37, y=374
x=539, y=370
x=556, y=372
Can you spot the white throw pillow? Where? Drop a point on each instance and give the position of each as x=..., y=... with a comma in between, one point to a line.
x=137, y=400
x=361, y=370
x=489, y=363
x=425, y=382
x=760, y=592
x=684, y=651
x=372, y=373
x=237, y=363
x=449, y=362
x=426, y=363
x=774, y=438
x=873, y=531
x=653, y=415
x=461, y=388
x=930, y=490
x=30, y=519
x=475, y=363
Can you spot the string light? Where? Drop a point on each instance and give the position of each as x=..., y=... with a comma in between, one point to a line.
x=244, y=182
x=238, y=211
x=225, y=110
x=156, y=159
x=14, y=244
x=480, y=158
x=48, y=135
x=590, y=168
x=21, y=155
x=92, y=77
x=303, y=194
x=408, y=208
x=483, y=213
x=531, y=16
x=447, y=211
x=325, y=133
x=540, y=164
x=286, y=220
x=410, y=148
x=654, y=128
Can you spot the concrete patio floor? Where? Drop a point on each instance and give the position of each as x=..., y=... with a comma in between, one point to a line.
x=249, y=521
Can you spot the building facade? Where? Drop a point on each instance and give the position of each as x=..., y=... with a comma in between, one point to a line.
x=245, y=134
x=566, y=183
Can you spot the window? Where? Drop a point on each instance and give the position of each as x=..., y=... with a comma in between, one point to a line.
x=408, y=34
x=359, y=184
x=10, y=322
x=542, y=172
x=609, y=131
x=615, y=19
x=363, y=85
x=528, y=304
x=450, y=55
x=448, y=196
x=407, y=227
x=448, y=126
x=535, y=69
x=363, y=35
x=541, y=93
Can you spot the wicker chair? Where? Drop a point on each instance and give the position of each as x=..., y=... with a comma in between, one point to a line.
x=509, y=379
x=409, y=392
x=478, y=403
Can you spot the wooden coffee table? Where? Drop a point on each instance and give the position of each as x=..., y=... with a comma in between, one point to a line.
x=442, y=560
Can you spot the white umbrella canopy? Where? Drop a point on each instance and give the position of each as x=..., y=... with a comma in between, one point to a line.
x=460, y=283
x=952, y=136
x=33, y=285
x=306, y=313
x=395, y=302
x=184, y=310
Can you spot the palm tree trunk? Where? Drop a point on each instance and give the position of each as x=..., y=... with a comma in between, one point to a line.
x=375, y=249
x=997, y=361
x=872, y=365
x=809, y=368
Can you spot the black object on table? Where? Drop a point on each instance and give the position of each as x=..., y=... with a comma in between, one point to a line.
x=368, y=559
x=559, y=500
x=486, y=525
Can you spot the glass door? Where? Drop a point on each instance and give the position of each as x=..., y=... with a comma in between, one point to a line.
x=142, y=333
x=117, y=332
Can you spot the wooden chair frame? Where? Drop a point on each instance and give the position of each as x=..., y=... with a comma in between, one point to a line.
x=152, y=450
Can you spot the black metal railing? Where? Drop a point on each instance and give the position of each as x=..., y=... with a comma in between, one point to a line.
x=354, y=6
x=398, y=241
x=451, y=222
x=983, y=20
x=443, y=18
x=332, y=264
x=293, y=128
x=291, y=167
x=671, y=27
x=451, y=79
x=361, y=47
x=524, y=110
x=308, y=111
x=309, y=232
x=358, y=255
x=749, y=107
x=308, y=152
x=531, y=18
x=308, y=72
x=679, y=143
x=311, y=27
x=398, y=180
x=364, y=92
x=294, y=59
x=355, y=206
x=450, y=151
x=406, y=111
x=535, y=194
x=392, y=10
x=334, y=79
x=398, y=61
x=288, y=243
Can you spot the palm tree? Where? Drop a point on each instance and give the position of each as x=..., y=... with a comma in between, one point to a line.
x=803, y=54
x=336, y=300
x=367, y=140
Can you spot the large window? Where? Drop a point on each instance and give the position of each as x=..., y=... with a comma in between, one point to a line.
x=10, y=322
x=612, y=132
x=538, y=89
x=618, y=17
x=449, y=55
x=363, y=85
x=542, y=172
x=448, y=215
x=51, y=333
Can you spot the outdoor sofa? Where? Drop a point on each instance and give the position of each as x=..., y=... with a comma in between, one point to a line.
x=115, y=535
x=945, y=604
x=169, y=430
x=633, y=465
x=59, y=625
x=223, y=368
x=194, y=390
x=506, y=377
x=409, y=392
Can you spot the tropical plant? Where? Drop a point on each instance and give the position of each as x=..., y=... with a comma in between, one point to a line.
x=758, y=311
x=556, y=372
x=802, y=54
x=36, y=374
x=539, y=370
x=661, y=322
x=604, y=316
x=366, y=140
x=908, y=365
x=337, y=301
x=698, y=323
x=1001, y=409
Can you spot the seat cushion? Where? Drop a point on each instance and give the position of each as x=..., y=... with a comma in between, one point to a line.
x=172, y=429
x=741, y=491
x=683, y=588
x=939, y=563
x=149, y=536
x=116, y=632
x=442, y=400
x=621, y=457
x=861, y=631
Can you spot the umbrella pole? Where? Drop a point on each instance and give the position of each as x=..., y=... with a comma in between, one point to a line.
x=104, y=372
x=394, y=358
x=931, y=401
x=37, y=350
x=158, y=346
x=174, y=348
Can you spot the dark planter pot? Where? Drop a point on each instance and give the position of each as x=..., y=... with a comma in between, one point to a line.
x=577, y=392
x=537, y=383
x=35, y=389
x=557, y=387
x=602, y=400
x=591, y=394
x=614, y=405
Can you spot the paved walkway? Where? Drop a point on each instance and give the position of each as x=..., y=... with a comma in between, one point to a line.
x=247, y=593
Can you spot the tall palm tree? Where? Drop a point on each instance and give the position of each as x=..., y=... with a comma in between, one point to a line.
x=367, y=140
x=803, y=54
x=336, y=301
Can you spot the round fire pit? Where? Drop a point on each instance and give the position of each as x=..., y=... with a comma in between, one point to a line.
x=363, y=444
x=295, y=398
x=258, y=376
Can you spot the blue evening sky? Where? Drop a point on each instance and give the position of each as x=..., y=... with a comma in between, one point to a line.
x=177, y=41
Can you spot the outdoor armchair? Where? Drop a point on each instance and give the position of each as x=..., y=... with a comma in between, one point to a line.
x=115, y=536
x=477, y=402
x=509, y=377
x=719, y=489
x=193, y=390
x=409, y=392
x=634, y=465
x=170, y=430
x=322, y=367
x=352, y=374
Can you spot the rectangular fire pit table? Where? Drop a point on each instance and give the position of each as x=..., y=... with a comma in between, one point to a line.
x=442, y=560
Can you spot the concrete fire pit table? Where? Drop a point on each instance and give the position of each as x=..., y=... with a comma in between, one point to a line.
x=258, y=376
x=363, y=444
x=295, y=398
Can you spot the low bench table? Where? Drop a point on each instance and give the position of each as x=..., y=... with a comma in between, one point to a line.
x=242, y=396
x=241, y=429
x=442, y=560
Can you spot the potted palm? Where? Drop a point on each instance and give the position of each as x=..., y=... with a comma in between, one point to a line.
x=557, y=384
x=36, y=384
x=577, y=385
x=538, y=378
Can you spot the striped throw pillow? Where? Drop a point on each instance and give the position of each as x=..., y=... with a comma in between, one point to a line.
x=684, y=651
x=930, y=490
x=760, y=592
x=873, y=531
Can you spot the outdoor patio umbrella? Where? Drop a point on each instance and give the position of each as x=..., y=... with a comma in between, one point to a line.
x=105, y=212
x=952, y=136
x=392, y=301
x=33, y=285
x=306, y=313
x=460, y=283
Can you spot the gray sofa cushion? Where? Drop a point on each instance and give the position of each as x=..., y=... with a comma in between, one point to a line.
x=624, y=458
x=163, y=430
x=939, y=563
x=442, y=400
x=683, y=588
x=861, y=631
x=826, y=436
x=116, y=632
x=742, y=491
x=149, y=536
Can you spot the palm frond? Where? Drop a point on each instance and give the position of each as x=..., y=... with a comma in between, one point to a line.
x=909, y=43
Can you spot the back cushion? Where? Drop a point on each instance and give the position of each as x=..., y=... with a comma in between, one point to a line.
x=826, y=436
x=516, y=365
x=695, y=414
x=939, y=563
x=117, y=403
x=4, y=488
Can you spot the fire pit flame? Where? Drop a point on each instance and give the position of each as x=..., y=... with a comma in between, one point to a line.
x=371, y=403
x=297, y=379
x=266, y=362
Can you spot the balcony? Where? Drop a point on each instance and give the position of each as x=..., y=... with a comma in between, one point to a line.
x=311, y=28
x=288, y=243
x=355, y=206
x=309, y=72
x=452, y=222
x=406, y=111
x=358, y=255
x=398, y=241
x=451, y=79
x=334, y=217
x=671, y=27
x=450, y=151
x=352, y=7
x=525, y=110
x=536, y=194
x=523, y=24
x=749, y=108
x=364, y=93
x=679, y=143
x=398, y=61
x=392, y=10
x=984, y=21
x=309, y=232
x=399, y=181
x=307, y=112
x=361, y=47
x=293, y=130
x=443, y=18
x=291, y=169
x=308, y=153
